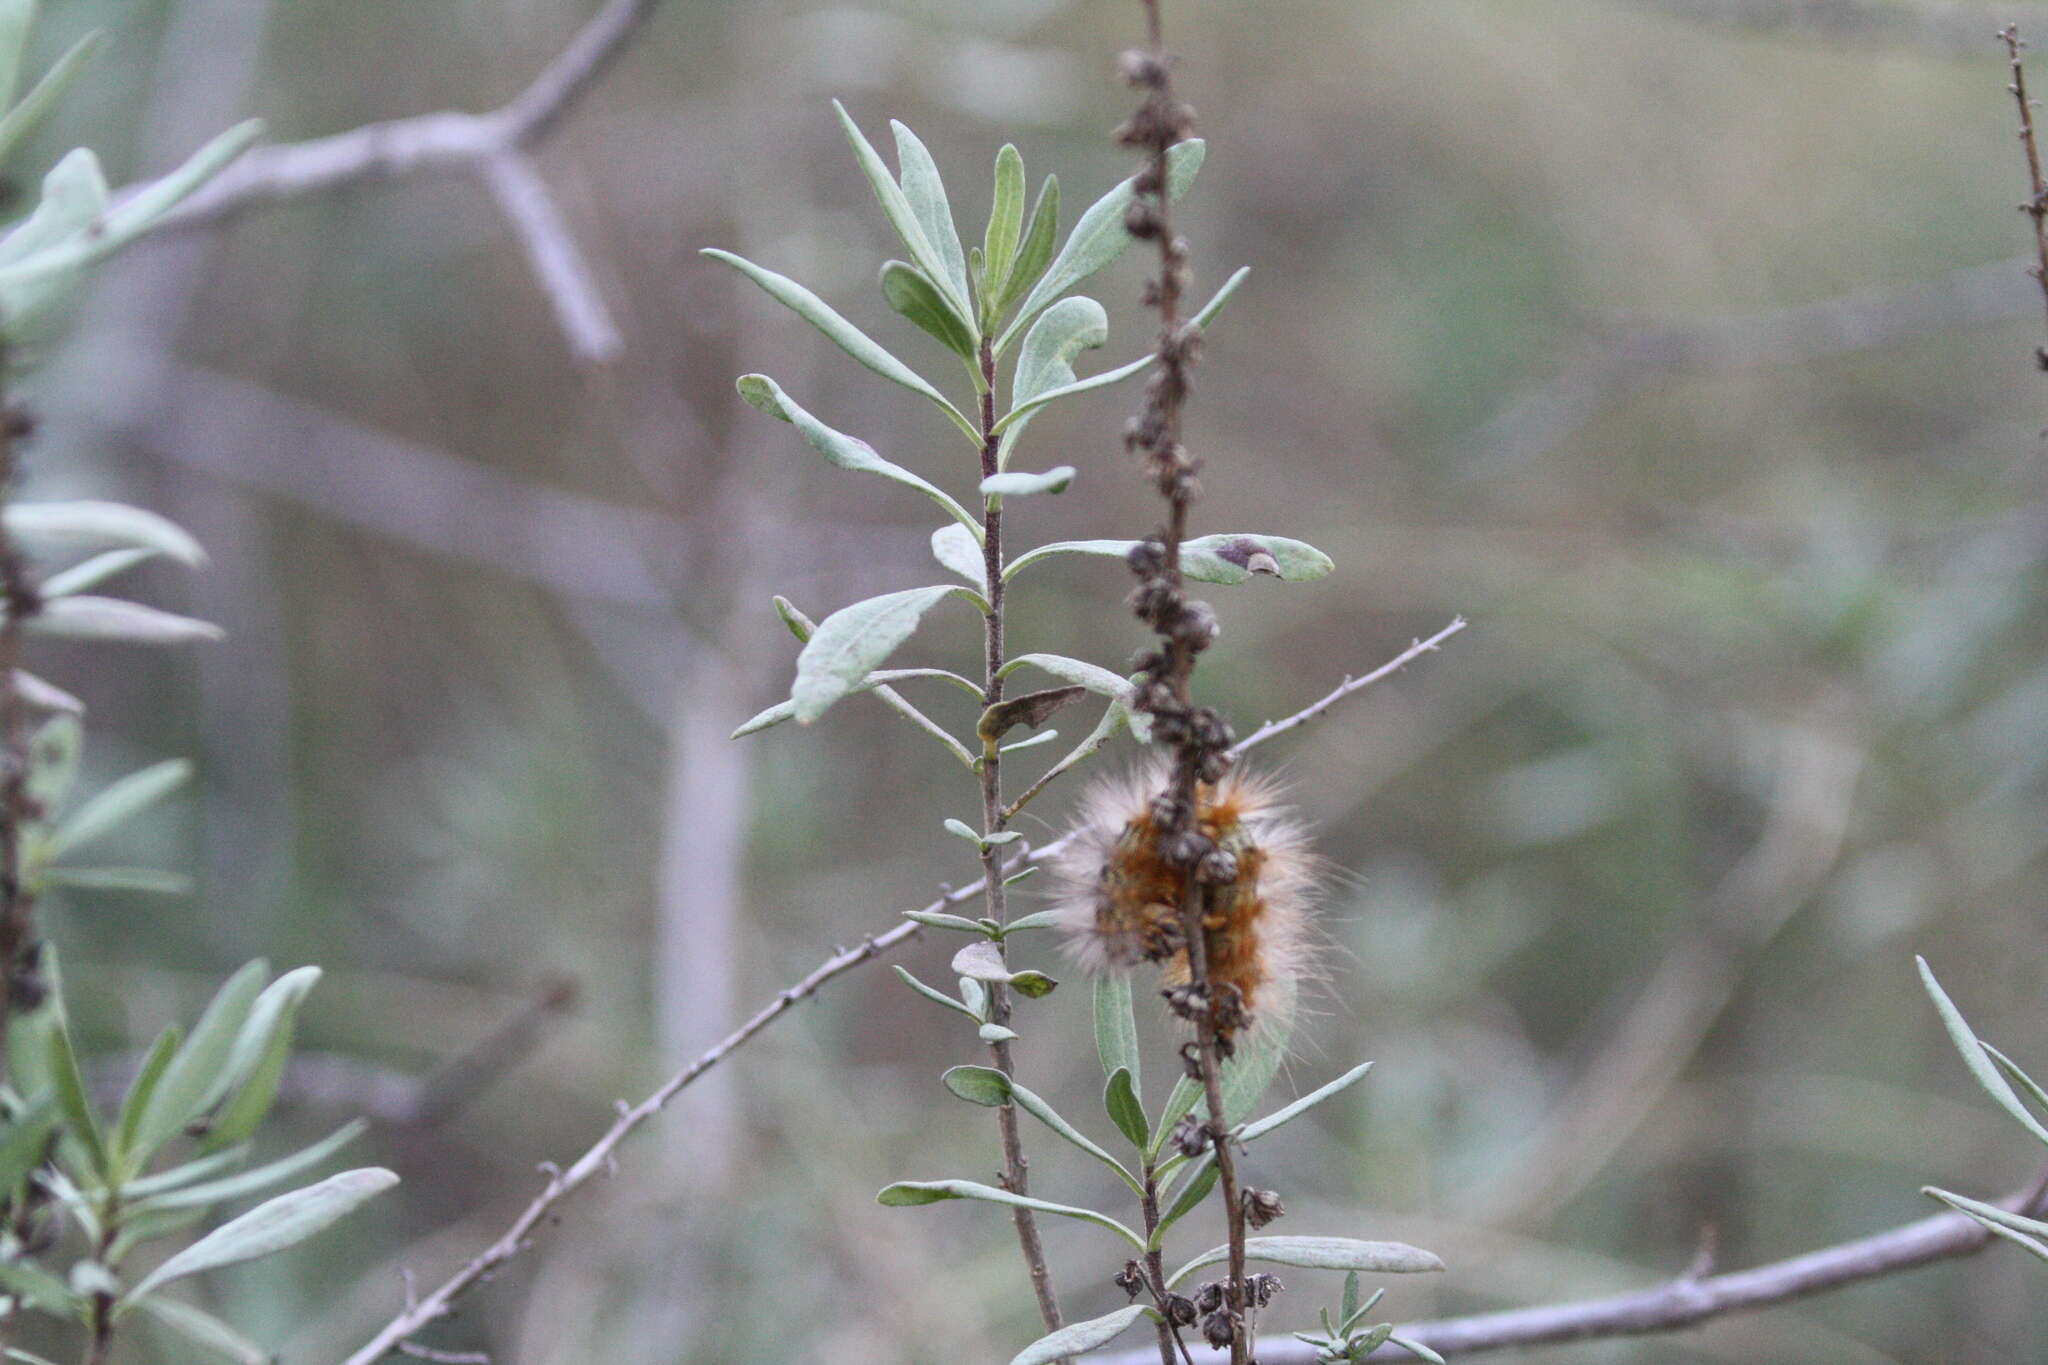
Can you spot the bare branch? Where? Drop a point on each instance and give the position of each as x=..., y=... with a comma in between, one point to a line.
x=558, y=264
x=1348, y=686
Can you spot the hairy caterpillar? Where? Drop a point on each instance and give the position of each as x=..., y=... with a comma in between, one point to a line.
x=1120, y=899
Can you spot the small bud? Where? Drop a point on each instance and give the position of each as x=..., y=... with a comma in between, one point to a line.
x=1141, y=220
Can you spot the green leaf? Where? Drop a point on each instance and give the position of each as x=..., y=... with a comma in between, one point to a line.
x=2025, y=1232
x=844, y=334
x=1349, y=1307
x=1094, y=677
x=24, y=118
x=956, y=548
x=852, y=641
x=1033, y=985
x=152, y=881
x=17, y=18
x=1120, y=1101
x=1415, y=1348
x=954, y=922
x=1037, y=919
x=139, y=1091
x=246, y=1183
x=1974, y=1056
x=974, y=996
x=1321, y=1253
x=199, y=1168
x=120, y=802
x=1304, y=1104
x=53, y=760
x=207, y=1332
x=1201, y=1179
x=45, y=695
x=84, y=617
x=1005, y=227
x=1031, y=1103
x=846, y=452
x=269, y=1227
x=79, y=1120
x=1054, y=480
x=198, y=1076
x=895, y=201
x=937, y=996
x=1066, y=329
x=1116, y=1027
x=74, y=195
x=982, y=1085
x=2011, y=1069
x=996, y=1033
x=911, y=293
x=68, y=527
x=1035, y=253
x=256, y=1063
x=24, y=1139
x=878, y=682
x=912, y=1193
x=93, y=572
x=927, y=195
x=1022, y=411
x=1077, y=1337
x=39, y=1289
x=1231, y=558
x=139, y=212
x=1099, y=236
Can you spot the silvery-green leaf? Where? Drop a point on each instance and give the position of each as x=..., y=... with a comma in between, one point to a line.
x=1099, y=236
x=927, y=195
x=2022, y=1231
x=138, y=212
x=141, y=1088
x=1415, y=1348
x=1227, y=558
x=209, y=1193
x=1012, y=485
x=1005, y=224
x=270, y=1227
x=955, y=547
x=996, y=1033
x=853, y=641
x=1034, y=252
x=41, y=1290
x=207, y=1332
x=798, y=624
x=1120, y=1101
x=848, y=337
x=28, y=115
x=1037, y=919
x=46, y=695
x=1322, y=1253
x=1094, y=677
x=1301, y=1106
x=937, y=996
x=93, y=572
x=256, y=1062
x=74, y=195
x=1974, y=1057
x=53, y=760
x=879, y=682
x=847, y=452
x=197, y=1076
x=982, y=1085
x=85, y=617
x=1200, y=1180
x=1061, y=333
x=958, y=924
x=185, y=1172
x=1042, y=737
x=1077, y=1337
x=913, y=295
x=151, y=881
x=80, y=1123
x=118, y=803
x=1031, y=1103
x=962, y=829
x=911, y=1193
x=974, y=996
x=87, y=524
x=1116, y=1027
x=17, y=17
x=1022, y=410
x=25, y=1138
x=981, y=962
x=896, y=205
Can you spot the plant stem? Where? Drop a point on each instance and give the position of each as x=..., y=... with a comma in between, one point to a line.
x=18, y=602
x=1016, y=1170
x=2036, y=206
x=1155, y=1274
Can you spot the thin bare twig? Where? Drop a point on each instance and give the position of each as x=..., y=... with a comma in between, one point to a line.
x=2036, y=207
x=1684, y=1302
x=421, y=1312
x=490, y=145
x=1348, y=686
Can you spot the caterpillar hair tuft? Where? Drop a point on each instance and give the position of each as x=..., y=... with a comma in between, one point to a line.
x=1120, y=897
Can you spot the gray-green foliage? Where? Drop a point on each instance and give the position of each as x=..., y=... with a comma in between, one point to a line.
x=1009, y=301
x=2017, y=1094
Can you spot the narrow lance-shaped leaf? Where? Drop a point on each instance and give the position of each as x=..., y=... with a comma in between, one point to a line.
x=937, y=997
x=927, y=195
x=1307, y=1102
x=74, y=195
x=880, y=681
x=1099, y=237
x=27, y=116
x=143, y=1086
x=269, y=1227
x=844, y=334
x=1980, y=1065
x=209, y=1193
x=120, y=802
x=1116, y=1026
x=206, y=1331
x=197, y=1076
x=955, y=547
x=913, y=295
x=1077, y=1337
x=1019, y=484
x=1322, y=1253
x=853, y=641
x=79, y=1120
x=1034, y=253
x=1228, y=558
x=895, y=201
x=93, y=572
x=846, y=452
x=256, y=1062
x=84, y=617
x=1120, y=1101
x=2015, y=1228
x=88, y=524
x=911, y=1193
x=1005, y=224
x=17, y=17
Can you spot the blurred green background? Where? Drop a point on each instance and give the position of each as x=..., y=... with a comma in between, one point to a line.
x=1678, y=345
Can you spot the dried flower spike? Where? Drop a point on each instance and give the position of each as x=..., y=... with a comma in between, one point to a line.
x=1121, y=889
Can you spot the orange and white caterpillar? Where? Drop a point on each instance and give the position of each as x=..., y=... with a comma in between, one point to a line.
x=1120, y=898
